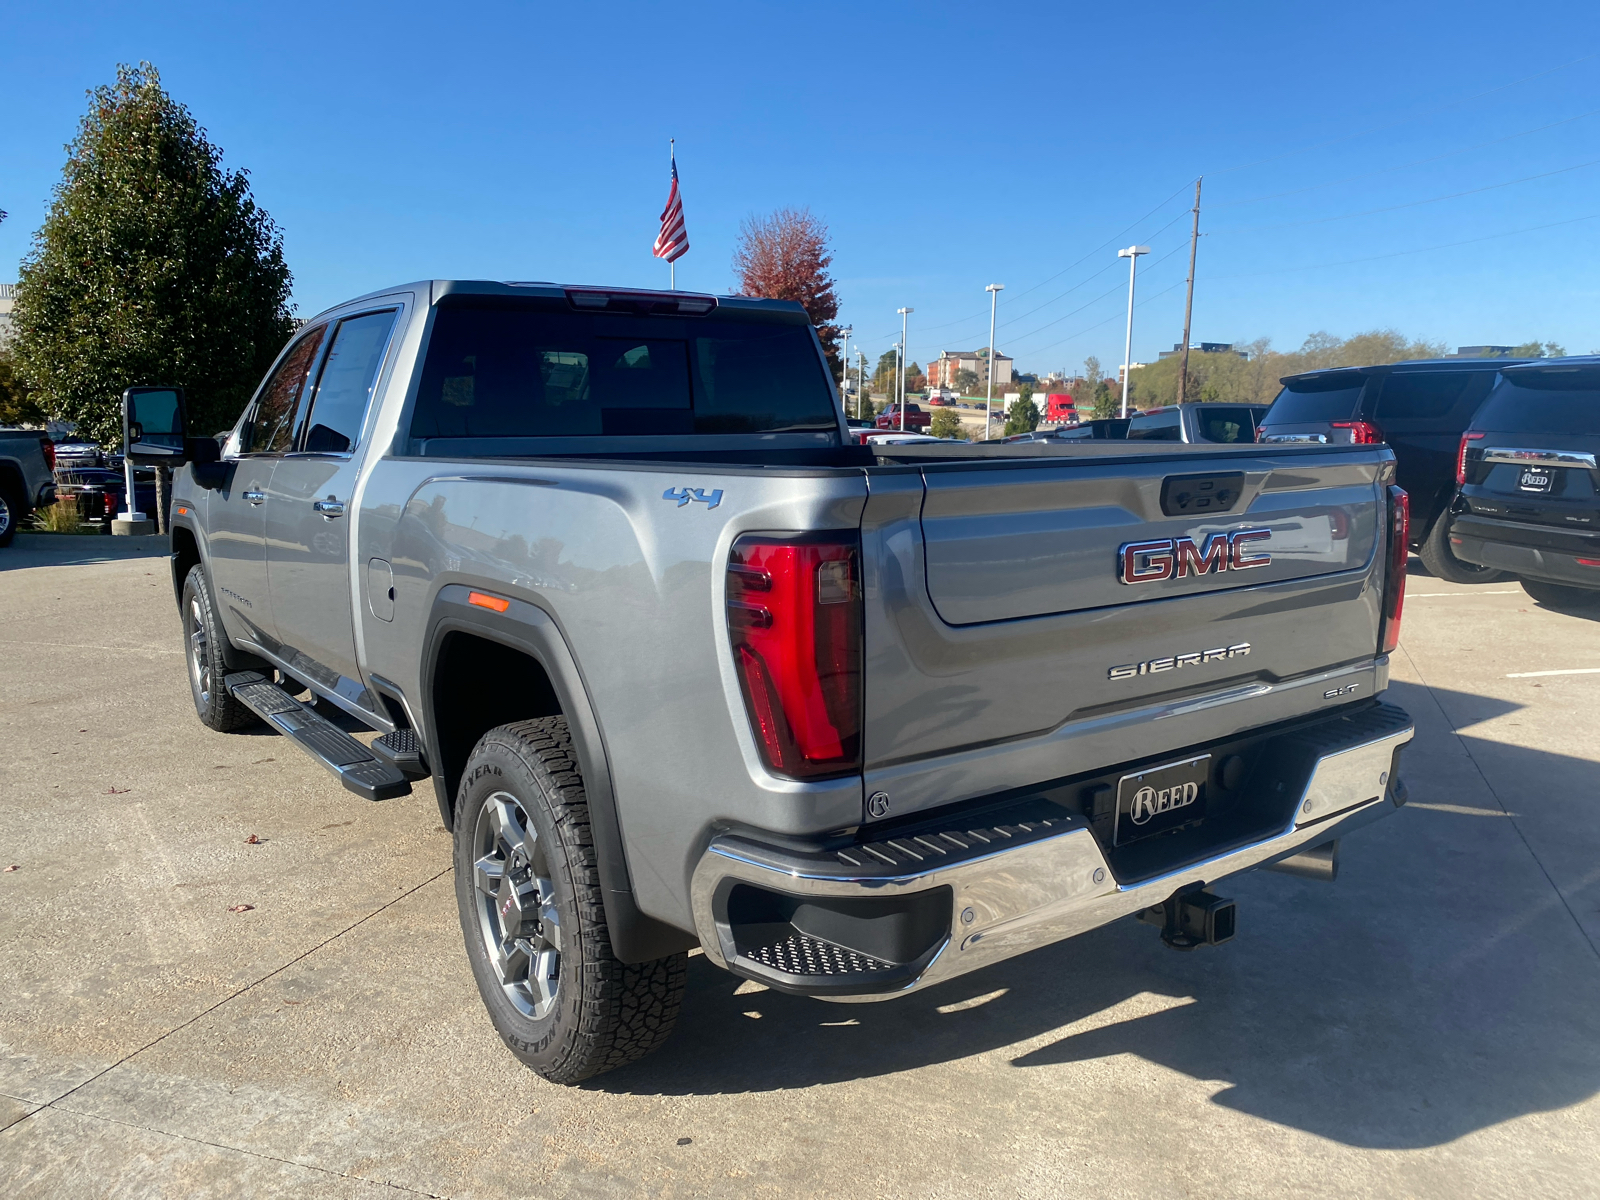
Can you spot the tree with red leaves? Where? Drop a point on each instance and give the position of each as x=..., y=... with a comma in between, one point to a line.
x=785, y=256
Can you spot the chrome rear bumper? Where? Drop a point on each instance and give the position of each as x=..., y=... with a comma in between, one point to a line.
x=1013, y=886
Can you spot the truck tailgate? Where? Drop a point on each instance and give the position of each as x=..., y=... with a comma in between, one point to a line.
x=1004, y=650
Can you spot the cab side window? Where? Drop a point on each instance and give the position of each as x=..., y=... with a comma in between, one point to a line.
x=344, y=386
x=1157, y=427
x=1422, y=395
x=269, y=429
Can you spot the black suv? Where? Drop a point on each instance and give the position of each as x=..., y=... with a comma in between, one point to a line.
x=1529, y=500
x=1421, y=409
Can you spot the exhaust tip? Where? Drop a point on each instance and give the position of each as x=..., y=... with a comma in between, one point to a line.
x=1319, y=862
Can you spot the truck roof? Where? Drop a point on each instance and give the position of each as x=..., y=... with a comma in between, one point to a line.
x=1407, y=365
x=637, y=299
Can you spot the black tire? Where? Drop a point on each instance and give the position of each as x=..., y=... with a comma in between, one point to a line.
x=1442, y=563
x=1560, y=595
x=205, y=657
x=12, y=508
x=599, y=1013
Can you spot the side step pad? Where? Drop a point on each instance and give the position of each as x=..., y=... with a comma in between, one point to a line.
x=354, y=765
x=403, y=749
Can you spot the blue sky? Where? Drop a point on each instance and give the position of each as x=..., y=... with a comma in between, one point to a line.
x=946, y=146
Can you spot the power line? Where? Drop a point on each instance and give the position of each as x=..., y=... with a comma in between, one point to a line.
x=1399, y=253
x=1024, y=336
x=1410, y=204
x=1405, y=166
x=1108, y=320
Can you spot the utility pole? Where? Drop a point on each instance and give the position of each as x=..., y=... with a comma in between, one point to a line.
x=1188, y=304
x=994, y=290
x=904, y=357
x=1132, y=254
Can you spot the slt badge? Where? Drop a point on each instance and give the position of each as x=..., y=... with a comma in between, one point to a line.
x=1176, y=558
x=684, y=495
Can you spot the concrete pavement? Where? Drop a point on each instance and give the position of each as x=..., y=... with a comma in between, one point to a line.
x=1426, y=1026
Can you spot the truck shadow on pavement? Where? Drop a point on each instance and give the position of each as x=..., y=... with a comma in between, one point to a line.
x=1440, y=986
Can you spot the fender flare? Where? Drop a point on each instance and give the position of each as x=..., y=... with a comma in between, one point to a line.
x=635, y=936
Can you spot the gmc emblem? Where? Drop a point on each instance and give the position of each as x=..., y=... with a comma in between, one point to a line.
x=1178, y=558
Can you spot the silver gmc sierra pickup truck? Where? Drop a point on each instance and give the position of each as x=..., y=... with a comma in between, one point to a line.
x=687, y=668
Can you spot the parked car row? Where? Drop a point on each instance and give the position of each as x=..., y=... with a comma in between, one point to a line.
x=1498, y=457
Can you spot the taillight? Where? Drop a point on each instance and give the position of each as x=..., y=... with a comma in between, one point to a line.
x=49, y=449
x=794, y=614
x=1394, y=583
x=1461, y=455
x=1362, y=433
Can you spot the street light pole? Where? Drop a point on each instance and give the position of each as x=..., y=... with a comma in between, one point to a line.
x=861, y=384
x=844, y=361
x=903, y=357
x=1132, y=254
x=994, y=290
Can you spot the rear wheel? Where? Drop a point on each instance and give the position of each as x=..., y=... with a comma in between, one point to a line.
x=1560, y=595
x=10, y=511
x=204, y=642
x=528, y=887
x=1442, y=563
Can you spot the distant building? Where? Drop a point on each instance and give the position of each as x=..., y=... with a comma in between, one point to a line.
x=8, y=301
x=1482, y=352
x=1204, y=348
x=952, y=362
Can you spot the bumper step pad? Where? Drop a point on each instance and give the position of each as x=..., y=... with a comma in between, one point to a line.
x=352, y=763
x=802, y=954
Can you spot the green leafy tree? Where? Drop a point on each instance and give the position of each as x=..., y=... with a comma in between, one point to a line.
x=155, y=265
x=1538, y=350
x=946, y=424
x=885, y=375
x=967, y=382
x=18, y=406
x=1023, y=415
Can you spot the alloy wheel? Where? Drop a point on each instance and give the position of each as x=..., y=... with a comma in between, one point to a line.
x=517, y=916
x=199, y=653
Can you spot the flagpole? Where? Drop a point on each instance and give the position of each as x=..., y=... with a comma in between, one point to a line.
x=672, y=267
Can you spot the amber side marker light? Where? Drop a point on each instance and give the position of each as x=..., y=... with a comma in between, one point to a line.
x=495, y=603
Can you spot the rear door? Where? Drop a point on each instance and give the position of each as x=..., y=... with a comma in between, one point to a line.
x=1422, y=415
x=310, y=500
x=236, y=516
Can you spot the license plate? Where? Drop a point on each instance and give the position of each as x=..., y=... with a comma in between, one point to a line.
x=1161, y=798
x=1535, y=479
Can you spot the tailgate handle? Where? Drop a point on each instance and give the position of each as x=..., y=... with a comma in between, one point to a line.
x=1201, y=495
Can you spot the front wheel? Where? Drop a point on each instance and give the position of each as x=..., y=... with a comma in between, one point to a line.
x=1442, y=563
x=528, y=887
x=1560, y=595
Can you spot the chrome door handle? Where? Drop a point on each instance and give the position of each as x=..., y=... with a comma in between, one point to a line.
x=255, y=497
x=329, y=508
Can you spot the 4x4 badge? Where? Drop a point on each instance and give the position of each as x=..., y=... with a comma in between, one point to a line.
x=684, y=495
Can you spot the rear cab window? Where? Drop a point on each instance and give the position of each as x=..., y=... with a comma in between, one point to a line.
x=1157, y=427
x=521, y=371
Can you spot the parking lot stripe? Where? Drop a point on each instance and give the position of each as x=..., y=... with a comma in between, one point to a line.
x=1571, y=671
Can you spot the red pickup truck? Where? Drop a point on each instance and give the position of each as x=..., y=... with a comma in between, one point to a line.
x=916, y=419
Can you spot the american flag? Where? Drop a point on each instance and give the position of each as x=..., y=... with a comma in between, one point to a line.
x=672, y=243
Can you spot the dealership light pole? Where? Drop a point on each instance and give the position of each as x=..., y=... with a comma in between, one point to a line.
x=844, y=360
x=861, y=384
x=903, y=356
x=1132, y=255
x=994, y=290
